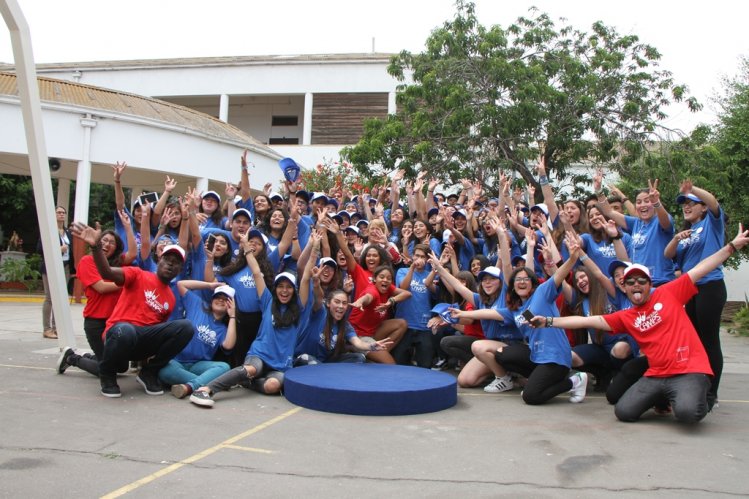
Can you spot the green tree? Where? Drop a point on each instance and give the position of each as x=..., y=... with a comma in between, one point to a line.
x=715, y=158
x=484, y=99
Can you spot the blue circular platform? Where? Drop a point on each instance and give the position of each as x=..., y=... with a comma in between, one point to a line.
x=370, y=389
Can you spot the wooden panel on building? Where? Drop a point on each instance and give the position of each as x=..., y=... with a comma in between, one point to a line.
x=339, y=118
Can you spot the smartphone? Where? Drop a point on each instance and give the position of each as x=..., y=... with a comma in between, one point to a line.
x=148, y=198
x=211, y=241
x=528, y=315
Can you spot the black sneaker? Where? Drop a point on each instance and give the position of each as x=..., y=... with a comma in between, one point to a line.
x=440, y=364
x=62, y=361
x=202, y=398
x=150, y=383
x=109, y=387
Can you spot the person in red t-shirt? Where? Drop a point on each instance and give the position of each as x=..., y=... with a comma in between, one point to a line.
x=369, y=312
x=137, y=327
x=101, y=298
x=679, y=370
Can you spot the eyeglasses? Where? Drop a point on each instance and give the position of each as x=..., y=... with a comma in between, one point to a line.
x=639, y=280
x=522, y=279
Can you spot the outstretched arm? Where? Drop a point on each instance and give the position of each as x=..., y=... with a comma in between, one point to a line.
x=713, y=261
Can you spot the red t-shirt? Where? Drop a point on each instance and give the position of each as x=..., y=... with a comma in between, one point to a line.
x=145, y=300
x=367, y=321
x=362, y=278
x=664, y=332
x=474, y=329
x=98, y=305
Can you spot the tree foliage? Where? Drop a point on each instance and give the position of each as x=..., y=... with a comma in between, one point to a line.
x=714, y=158
x=483, y=99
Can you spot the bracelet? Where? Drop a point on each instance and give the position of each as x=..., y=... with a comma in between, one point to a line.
x=391, y=301
x=232, y=317
x=549, y=321
x=657, y=205
x=733, y=246
x=617, y=237
x=625, y=200
x=543, y=180
x=583, y=258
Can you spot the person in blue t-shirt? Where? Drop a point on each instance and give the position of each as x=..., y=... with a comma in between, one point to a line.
x=285, y=312
x=215, y=327
x=329, y=337
x=651, y=229
x=499, y=330
x=546, y=358
x=704, y=235
x=416, y=311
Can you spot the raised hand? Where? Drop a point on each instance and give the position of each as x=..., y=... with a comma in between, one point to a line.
x=86, y=233
x=653, y=193
x=117, y=169
x=170, y=184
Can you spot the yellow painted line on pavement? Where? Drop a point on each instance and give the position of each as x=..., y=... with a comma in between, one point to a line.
x=29, y=367
x=200, y=455
x=249, y=449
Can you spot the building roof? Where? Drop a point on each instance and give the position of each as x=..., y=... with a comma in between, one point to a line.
x=374, y=58
x=91, y=97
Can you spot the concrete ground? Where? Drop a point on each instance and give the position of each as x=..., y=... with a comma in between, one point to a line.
x=61, y=438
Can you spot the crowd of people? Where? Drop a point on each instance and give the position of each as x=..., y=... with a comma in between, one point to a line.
x=207, y=292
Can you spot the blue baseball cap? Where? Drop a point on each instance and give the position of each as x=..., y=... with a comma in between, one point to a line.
x=442, y=309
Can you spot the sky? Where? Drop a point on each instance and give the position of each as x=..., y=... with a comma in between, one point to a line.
x=700, y=43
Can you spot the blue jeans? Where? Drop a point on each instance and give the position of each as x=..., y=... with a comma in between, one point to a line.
x=687, y=394
x=195, y=374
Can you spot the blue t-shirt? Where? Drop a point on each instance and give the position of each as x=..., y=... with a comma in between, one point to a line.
x=312, y=338
x=548, y=345
x=275, y=345
x=603, y=252
x=506, y=331
x=417, y=310
x=245, y=296
x=210, y=224
x=707, y=237
x=208, y=334
x=648, y=242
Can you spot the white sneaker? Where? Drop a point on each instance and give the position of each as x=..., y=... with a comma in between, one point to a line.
x=579, y=387
x=499, y=385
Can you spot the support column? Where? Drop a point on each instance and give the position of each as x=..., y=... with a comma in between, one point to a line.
x=307, y=126
x=63, y=196
x=83, y=177
x=201, y=184
x=391, y=103
x=223, y=108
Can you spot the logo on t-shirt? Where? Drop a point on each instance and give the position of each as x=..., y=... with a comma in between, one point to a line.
x=207, y=335
x=152, y=300
x=643, y=321
x=247, y=281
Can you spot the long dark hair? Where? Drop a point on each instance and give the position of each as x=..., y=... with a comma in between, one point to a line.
x=330, y=322
x=288, y=317
x=224, y=259
x=513, y=299
x=240, y=262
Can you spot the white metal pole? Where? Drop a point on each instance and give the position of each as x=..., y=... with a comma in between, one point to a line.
x=31, y=109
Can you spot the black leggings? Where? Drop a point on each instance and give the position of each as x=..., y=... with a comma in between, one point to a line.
x=545, y=381
x=458, y=346
x=247, y=325
x=704, y=310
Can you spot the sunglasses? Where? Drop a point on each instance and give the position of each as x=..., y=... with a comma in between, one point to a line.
x=522, y=279
x=639, y=280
